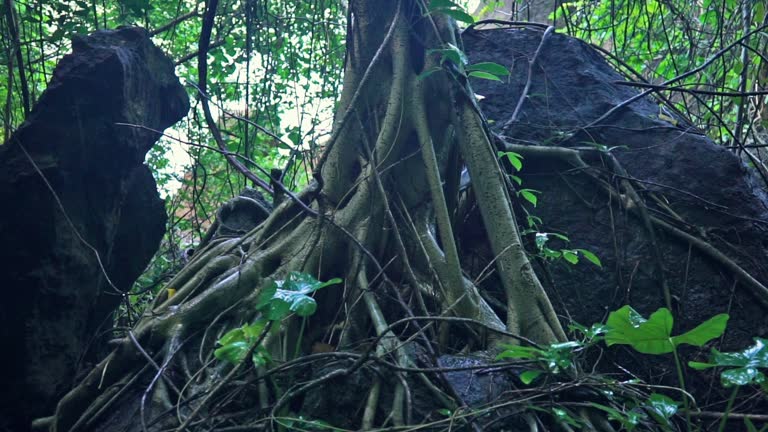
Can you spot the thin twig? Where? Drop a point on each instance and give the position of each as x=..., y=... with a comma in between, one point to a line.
x=531, y=65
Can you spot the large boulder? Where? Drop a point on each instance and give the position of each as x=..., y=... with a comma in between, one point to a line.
x=82, y=214
x=717, y=198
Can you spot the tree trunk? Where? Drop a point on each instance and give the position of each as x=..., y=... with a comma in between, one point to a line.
x=380, y=215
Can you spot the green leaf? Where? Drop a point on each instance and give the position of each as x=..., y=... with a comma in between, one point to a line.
x=662, y=405
x=444, y=411
x=458, y=15
x=700, y=365
x=515, y=159
x=261, y=357
x=452, y=53
x=758, y=12
x=533, y=220
x=253, y=331
x=527, y=377
x=564, y=417
x=232, y=336
x=442, y=4
x=232, y=352
x=529, y=195
x=704, y=332
x=519, y=352
x=281, y=297
x=541, y=239
x=489, y=67
x=570, y=256
x=653, y=336
x=628, y=419
x=277, y=309
x=741, y=376
x=750, y=426
x=746, y=363
x=516, y=179
x=590, y=257
x=303, y=305
x=484, y=75
x=428, y=72
x=266, y=295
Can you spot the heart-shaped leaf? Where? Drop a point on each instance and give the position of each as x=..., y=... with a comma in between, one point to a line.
x=654, y=335
x=745, y=363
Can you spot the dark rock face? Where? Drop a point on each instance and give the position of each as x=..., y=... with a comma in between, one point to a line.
x=92, y=196
x=705, y=184
x=479, y=384
x=241, y=214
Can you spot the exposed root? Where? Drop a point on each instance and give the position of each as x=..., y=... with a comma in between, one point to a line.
x=381, y=216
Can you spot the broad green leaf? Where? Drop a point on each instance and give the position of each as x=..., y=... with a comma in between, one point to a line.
x=527, y=377
x=442, y=4
x=266, y=295
x=253, y=331
x=303, y=305
x=590, y=257
x=652, y=336
x=529, y=195
x=745, y=363
x=458, y=15
x=261, y=357
x=452, y=53
x=519, y=352
x=489, y=67
x=281, y=297
x=233, y=352
x=516, y=179
x=277, y=309
x=484, y=75
x=559, y=356
x=570, y=256
x=741, y=376
x=515, y=159
x=234, y=335
x=662, y=405
x=758, y=12
x=704, y=332
x=446, y=54
x=302, y=282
